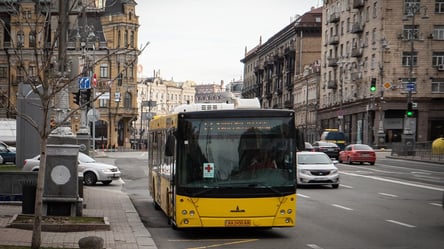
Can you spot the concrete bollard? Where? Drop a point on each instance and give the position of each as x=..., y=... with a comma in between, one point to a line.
x=91, y=242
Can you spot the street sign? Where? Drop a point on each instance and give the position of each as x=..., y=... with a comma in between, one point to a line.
x=93, y=115
x=411, y=86
x=387, y=85
x=84, y=83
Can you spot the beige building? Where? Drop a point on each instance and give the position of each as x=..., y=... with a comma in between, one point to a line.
x=284, y=71
x=102, y=41
x=159, y=97
x=397, y=45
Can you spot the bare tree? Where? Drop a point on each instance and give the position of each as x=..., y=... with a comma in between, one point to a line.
x=48, y=80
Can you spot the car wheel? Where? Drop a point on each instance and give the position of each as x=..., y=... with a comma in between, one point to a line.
x=372, y=163
x=89, y=178
x=335, y=185
x=106, y=182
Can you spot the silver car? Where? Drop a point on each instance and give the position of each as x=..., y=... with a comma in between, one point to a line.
x=316, y=168
x=91, y=170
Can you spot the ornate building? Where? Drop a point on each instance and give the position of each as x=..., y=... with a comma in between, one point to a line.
x=101, y=44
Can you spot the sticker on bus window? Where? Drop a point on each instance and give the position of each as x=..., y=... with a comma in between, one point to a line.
x=208, y=171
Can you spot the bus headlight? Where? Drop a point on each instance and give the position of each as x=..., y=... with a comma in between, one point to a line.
x=184, y=212
x=192, y=213
x=282, y=212
x=289, y=211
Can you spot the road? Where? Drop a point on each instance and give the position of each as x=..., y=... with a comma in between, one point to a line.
x=393, y=204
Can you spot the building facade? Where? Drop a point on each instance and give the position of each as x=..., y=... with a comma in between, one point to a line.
x=397, y=46
x=284, y=71
x=101, y=45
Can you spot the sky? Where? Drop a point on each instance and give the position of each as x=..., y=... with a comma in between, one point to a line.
x=204, y=40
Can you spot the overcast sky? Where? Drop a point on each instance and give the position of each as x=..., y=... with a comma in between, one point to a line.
x=204, y=40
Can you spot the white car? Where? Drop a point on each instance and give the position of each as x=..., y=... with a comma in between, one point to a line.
x=91, y=170
x=316, y=168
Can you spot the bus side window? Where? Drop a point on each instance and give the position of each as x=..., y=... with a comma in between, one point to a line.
x=169, y=145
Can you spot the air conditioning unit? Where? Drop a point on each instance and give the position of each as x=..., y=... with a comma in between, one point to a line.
x=441, y=67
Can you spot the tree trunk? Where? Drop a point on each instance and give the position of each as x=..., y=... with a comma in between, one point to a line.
x=38, y=209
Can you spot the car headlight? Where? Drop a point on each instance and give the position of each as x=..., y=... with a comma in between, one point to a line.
x=106, y=170
x=335, y=171
x=304, y=171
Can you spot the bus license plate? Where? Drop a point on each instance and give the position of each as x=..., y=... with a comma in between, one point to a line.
x=237, y=223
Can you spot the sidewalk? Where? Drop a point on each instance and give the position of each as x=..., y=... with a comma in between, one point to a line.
x=127, y=230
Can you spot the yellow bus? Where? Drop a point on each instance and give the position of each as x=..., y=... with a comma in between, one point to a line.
x=225, y=167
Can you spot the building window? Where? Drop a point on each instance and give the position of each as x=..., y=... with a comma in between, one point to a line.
x=374, y=36
x=439, y=6
x=125, y=39
x=127, y=100
x=119, y=37
x=437, y=58
x=32, y=39
x=410, y=32
x=132, y=39
x=438, y=32
x=409, y=5
x=103, y=103
x=375, y=9
x=409, y=58
x=437, y=85
x=20, y=39
x=104, y=71
x=3, y=72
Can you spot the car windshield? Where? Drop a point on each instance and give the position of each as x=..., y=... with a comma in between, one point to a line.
x=313, y=159
x=83, y=158
x=362, y=147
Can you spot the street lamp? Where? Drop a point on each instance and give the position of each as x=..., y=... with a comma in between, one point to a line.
x=411, y=10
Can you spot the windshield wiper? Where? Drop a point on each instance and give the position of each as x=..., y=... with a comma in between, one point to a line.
x=262, y=185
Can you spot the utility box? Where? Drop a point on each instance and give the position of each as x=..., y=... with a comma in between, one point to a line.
x=60, y=194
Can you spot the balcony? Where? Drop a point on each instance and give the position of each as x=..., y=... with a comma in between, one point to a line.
x=356, y=52
x=334, y=40
x=357, y=28
x=334, y=17
x=332, y=61
x=357, y=4
x=332, y=84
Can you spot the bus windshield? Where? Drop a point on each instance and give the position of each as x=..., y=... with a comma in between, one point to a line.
x=253, y=153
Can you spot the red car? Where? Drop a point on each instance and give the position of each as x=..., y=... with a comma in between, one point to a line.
x=361, y=153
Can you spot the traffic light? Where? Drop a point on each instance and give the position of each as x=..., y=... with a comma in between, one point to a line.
x=85, y=97
x=77, y=97
x=409, y=112
x=373, y=85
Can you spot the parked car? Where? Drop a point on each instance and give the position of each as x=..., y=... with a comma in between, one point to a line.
x=361, y=153
x=308, y=147
x=91, y=170
x=1, y=160
x=7, y=153
x=331, y=149
x=316, y=168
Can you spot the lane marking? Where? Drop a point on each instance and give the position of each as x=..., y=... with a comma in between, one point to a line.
x=436, y=204
x=420, y=172
x=395, y=181
x=305, y=196
x=314, y=246
x=224, y=244
x=346, y=186
x=401, y=223
x=389, y=195
x=339, y=206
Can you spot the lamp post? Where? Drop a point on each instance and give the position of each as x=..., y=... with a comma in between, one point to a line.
x=412, y=10
x=380, y=137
